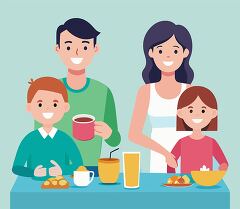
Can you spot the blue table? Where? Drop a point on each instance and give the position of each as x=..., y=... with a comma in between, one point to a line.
x=27, y=194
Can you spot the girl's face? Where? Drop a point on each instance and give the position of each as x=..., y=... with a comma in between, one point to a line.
x=197, y=115
x=168, y=56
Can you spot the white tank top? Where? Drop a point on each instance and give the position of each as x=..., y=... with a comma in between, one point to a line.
x=162, y=112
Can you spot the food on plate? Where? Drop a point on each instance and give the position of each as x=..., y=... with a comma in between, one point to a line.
x=179, y=180
x=186, y=179
x=58, y=182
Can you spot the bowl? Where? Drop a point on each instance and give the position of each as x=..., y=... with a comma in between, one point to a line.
x=207, y=178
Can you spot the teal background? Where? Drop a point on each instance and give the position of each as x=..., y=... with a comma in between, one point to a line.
x=27, y=51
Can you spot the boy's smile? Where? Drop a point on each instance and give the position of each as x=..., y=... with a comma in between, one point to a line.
x=48, y=115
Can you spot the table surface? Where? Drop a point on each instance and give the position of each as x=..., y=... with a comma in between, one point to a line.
x=151, y=192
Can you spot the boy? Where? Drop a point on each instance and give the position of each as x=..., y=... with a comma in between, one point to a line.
x=47, y=151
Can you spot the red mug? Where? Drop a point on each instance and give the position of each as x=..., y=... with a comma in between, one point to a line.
x=83, y=127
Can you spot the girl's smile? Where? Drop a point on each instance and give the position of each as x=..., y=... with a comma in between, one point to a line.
x=197, y=120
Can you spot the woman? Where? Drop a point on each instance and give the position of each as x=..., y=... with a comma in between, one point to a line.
x=167, y=49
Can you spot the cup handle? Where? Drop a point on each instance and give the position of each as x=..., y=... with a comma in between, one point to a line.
x=91, y=177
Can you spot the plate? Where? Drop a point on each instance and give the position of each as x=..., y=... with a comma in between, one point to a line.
x=177, y=185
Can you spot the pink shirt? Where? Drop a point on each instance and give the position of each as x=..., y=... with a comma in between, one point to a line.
x=196, y=153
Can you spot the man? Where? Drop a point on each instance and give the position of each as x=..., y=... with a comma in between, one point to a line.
x=76, y=45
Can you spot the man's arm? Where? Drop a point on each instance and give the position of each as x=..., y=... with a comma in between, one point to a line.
x=110, y=118
x=20, y=160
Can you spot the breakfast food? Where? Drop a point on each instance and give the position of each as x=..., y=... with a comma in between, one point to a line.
x=204, y=168
x=81, y=168
x=178, y=180
x=58, y=182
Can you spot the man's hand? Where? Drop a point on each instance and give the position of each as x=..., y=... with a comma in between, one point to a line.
x=39, y=171
x=170, y=160
x=55, y=170
x=102, y=129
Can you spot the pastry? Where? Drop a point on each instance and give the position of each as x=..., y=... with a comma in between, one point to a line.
x=178, y=180
x=81, y=168
x=58, y=182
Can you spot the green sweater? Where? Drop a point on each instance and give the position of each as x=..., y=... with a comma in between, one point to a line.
x=34, y=150
x=95, y=99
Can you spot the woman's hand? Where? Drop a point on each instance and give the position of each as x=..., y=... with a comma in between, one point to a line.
x=223, y=167
x=102, y=129
x=170, y=160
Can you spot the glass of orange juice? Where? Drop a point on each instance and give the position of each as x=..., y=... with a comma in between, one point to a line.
x=131, y=169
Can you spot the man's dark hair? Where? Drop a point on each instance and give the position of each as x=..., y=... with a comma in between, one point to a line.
x=79, y=28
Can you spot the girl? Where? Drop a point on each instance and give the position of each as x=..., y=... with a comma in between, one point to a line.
x=167, y=48
x=197, y=111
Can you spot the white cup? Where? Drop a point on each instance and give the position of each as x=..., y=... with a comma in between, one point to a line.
x=82, y=178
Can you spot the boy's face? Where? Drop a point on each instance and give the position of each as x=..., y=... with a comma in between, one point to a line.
x=197, y=115
x=76, y=53
x=47, y=107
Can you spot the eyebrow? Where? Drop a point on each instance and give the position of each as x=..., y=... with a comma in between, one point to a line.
x=39, y=100
x=190, y=107
x=55, y=100
x=176, y=46
x=86, y=42
x=67, y=42
x=203, y=107
x=159, y=46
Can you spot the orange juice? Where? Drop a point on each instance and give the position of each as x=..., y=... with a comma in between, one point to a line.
x=131, y=166
x=109, y=169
